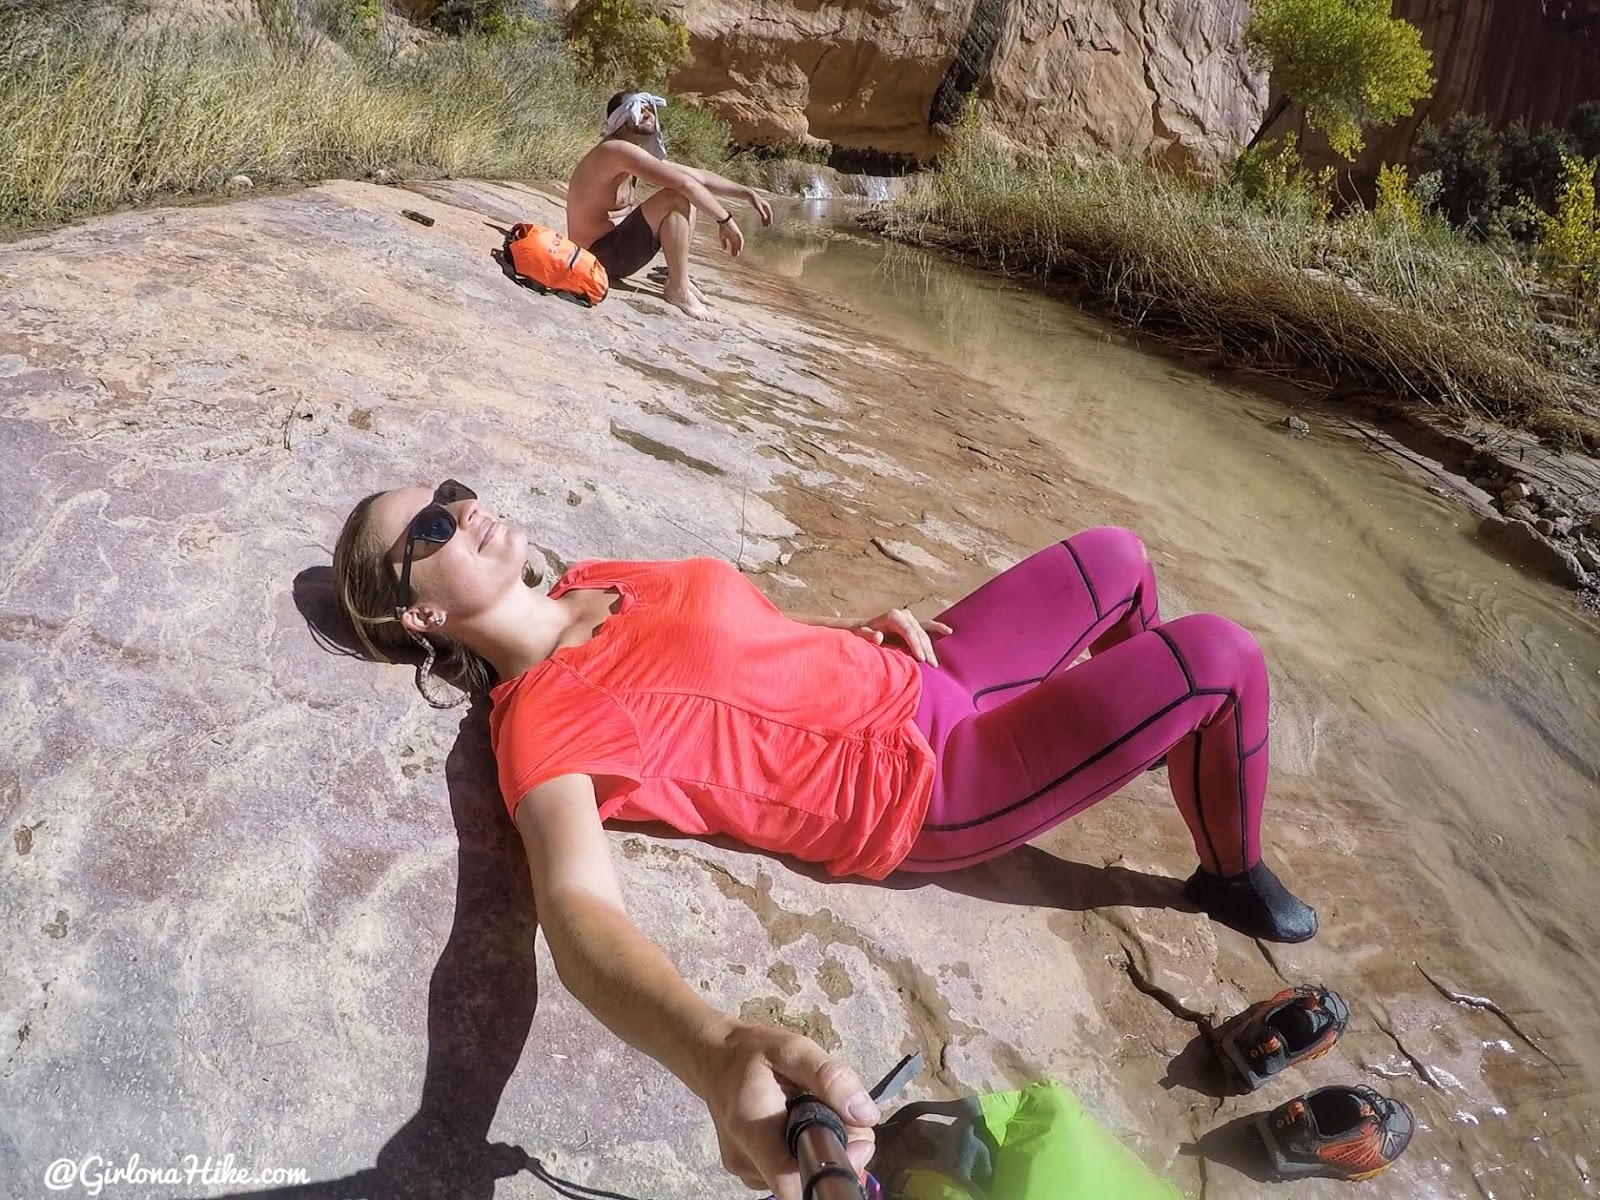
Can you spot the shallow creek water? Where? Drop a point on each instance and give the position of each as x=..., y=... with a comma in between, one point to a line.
x=1436, y=737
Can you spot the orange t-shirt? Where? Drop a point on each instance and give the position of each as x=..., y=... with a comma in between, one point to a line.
x=700, y=705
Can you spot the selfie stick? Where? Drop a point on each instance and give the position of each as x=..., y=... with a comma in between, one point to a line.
x=816, y=1138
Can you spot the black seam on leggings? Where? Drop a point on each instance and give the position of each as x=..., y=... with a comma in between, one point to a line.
x=1244, y=809
x=1092, y=759
x=1049, y=823
x=1257, y=748
x=1188, y=676
x=1199, y=803
x=1072, y=652
x=1087, y=582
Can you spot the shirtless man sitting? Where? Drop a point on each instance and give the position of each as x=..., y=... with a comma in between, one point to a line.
x=601, y=191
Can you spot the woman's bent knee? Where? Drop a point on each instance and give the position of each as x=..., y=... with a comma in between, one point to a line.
x=1111, y=541
x=1215, y=650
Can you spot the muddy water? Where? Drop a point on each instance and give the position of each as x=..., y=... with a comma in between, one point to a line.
x=1436, y=737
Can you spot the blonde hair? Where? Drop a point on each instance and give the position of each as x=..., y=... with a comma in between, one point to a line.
x=365, y=582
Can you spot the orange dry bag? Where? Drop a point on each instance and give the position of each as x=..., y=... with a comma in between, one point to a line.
x=547, y=262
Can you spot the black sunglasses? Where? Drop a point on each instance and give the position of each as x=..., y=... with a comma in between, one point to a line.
x=435, y=524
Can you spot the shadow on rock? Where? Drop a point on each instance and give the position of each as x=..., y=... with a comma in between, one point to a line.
x=1038, y=879
x=1197, y=1069
x=317, y=597
x=1025, y=876
x=481, y=1004
x=1235, y=1144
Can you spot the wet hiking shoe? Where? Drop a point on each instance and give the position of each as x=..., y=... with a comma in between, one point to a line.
x=1255, y=903
x=1295, y=1026
x=1336, y=1133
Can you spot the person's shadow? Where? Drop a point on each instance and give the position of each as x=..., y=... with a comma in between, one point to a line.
x=484, y=990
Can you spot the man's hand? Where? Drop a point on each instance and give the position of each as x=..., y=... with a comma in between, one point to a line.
x=899, y=623
x=753, y=1071
x=732, y=238
x=759, y=203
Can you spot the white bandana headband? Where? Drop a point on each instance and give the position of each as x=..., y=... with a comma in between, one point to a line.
x=631, y=111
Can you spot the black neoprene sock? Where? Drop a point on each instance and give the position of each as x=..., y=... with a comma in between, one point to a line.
x=1255, y=903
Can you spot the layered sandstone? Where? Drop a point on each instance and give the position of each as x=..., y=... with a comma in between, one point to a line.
x=1164, y=78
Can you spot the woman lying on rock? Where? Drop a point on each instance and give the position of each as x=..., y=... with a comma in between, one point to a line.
x=676, y=692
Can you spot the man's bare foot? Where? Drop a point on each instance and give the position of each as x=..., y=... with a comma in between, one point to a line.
x=686, y=299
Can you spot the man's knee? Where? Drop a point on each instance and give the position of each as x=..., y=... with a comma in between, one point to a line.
x=667, y=201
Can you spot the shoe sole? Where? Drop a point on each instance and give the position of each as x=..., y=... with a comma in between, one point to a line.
x=1289, y=1168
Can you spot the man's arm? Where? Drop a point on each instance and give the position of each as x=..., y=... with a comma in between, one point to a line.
x=625, y=156
x=719, y=185
x=625, y=980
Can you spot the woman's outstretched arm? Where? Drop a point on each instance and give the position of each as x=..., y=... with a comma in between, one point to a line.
x=626, y=981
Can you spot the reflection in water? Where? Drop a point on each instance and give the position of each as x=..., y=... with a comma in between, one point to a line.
x=1436, y=739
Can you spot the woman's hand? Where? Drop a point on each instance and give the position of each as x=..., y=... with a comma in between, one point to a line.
x=751, y=1073
x=917, y=635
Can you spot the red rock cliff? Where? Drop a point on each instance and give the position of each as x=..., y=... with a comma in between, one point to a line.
x=1161, y=77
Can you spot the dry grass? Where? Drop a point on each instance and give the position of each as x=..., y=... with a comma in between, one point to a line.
x=106, y=113
x=1362, y=302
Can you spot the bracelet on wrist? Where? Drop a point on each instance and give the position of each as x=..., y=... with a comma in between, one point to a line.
x=725, y=219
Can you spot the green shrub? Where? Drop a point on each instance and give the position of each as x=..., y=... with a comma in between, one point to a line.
x=1530, y=164
x=1272, y=178
x=693, y=135
x=490, y=18
x=1466, y=153
x=624, y=43
x=1569, y=240
x=1397, y=203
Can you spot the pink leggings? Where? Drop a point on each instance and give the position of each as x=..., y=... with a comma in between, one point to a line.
x=1026, y=739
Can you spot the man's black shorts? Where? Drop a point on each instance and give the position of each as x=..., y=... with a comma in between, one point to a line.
x=627, y=248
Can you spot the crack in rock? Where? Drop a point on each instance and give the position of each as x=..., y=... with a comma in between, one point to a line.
x=1162, y=996
x=1424, y=1072
x=1271, y=960
x=1485, y=1004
